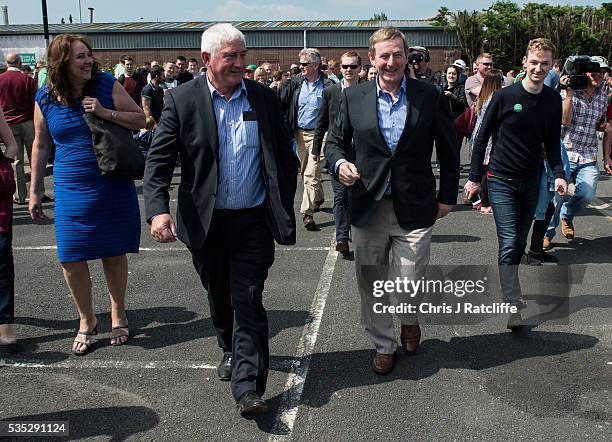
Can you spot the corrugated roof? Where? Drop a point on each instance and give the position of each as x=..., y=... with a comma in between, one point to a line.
x=193, y=26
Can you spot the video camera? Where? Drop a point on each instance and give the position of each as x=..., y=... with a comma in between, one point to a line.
x=576, y=66
x=417, y=54
x=415, y=57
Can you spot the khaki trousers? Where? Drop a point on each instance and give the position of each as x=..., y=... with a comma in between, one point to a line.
x=24, y=137
x=310, y=170
x=385, y=251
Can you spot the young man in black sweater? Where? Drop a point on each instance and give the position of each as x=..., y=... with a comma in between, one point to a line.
x=523, y=119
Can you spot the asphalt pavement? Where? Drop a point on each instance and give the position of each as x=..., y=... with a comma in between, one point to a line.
x=467, y=382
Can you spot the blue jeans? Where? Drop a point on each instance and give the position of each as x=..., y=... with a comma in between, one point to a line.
x=585, y=180
x=7, y=279
x=514, y=204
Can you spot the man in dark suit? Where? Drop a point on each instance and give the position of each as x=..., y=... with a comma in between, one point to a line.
x=238, y=182
x=350, y=64
x=389, y=127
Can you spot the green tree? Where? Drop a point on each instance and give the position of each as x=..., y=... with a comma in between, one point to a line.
x=379, y=17
x=506, y=33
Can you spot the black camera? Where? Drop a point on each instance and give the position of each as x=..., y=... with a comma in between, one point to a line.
x=576, y=66
x=415, y=57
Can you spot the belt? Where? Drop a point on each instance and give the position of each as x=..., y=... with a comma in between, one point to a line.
x=306, y=130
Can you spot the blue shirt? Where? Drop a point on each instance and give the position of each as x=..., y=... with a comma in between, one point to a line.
x=552, y=79
x=391, y=114
x=309, y=102
x=240, y=184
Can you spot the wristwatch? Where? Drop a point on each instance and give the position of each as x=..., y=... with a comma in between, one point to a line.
x=113, y=115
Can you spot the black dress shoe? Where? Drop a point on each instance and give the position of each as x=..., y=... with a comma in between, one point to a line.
x=251, y=404
x=543, y=256
x=224, y=369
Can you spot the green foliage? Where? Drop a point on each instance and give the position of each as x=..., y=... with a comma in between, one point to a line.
x=505, y=28
x=379, y=17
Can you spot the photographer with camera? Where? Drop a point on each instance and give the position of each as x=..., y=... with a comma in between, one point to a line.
x=418, y=64
x=584, y=113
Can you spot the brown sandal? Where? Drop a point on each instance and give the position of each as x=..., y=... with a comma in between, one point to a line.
x=84, y=337
x=118, y=332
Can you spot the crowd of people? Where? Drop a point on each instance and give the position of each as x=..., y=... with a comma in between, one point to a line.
x=244, y=133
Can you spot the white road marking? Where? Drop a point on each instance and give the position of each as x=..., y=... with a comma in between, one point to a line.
x=100, y=363
x=96, y=364
x=298, y=372
x=603, y=208
x=177, y=249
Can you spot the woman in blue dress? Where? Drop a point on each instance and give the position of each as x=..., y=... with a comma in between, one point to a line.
x=96, y=216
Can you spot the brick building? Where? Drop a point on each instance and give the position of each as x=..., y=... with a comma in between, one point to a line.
x=277, y=42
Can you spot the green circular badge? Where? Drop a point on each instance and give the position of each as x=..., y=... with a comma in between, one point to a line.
x=518, y=107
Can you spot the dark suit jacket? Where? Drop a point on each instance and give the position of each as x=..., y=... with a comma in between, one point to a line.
x=188, y=126
x=330, y=105
x=356, y=132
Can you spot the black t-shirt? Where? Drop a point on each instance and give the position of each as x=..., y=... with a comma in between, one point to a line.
x=185, y=77
x=157, y=100
x=521, y=123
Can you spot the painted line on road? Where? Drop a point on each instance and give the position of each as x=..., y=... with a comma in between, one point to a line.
x=94, y=364
x=294, y=387
x=97, y=364
x=177, y=249
x=601, y=207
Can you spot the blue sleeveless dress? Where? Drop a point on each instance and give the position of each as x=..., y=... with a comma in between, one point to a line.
x=95, y=216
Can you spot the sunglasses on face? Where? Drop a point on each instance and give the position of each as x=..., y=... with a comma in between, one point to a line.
x=487, y=64
x=350, y=66
x=305, y=63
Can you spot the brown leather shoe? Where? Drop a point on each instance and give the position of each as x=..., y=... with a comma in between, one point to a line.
x=383, y=363
x=567, y=227
x=547, y=243
x=410, y=336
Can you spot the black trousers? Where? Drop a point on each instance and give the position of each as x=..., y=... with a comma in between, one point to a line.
x=341, y=209
x=233, y=266
x=7, y=279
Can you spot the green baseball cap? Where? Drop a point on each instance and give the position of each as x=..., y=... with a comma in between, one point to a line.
x=252, y=67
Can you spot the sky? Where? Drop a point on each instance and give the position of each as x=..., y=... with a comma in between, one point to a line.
x=30, y=11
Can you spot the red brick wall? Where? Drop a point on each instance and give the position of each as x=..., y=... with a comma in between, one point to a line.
x=440, y=57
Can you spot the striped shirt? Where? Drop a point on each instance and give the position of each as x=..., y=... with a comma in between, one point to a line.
x=580, y=137
x=241, y=183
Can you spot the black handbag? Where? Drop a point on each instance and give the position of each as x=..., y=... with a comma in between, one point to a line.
x=117, y=153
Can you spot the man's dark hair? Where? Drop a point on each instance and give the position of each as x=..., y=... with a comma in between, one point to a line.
x=192, y=60
x=156, y=72
x=127, y=58
x=180, y=57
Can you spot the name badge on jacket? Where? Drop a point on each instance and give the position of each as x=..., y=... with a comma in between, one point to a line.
x=249, y=116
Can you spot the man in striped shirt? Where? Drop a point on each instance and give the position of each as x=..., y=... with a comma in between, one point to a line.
x=238, y=181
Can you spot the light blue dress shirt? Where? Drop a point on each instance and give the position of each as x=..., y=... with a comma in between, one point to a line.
x=240, y=183
x=391, y=114
x=309, y=102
